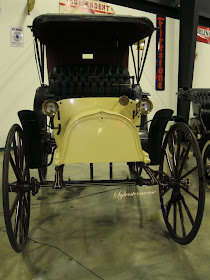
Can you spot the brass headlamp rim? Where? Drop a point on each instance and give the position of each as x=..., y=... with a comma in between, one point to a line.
x=139, y=103
x=44, y=107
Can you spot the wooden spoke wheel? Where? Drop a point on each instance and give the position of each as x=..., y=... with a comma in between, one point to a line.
x=16, y=189
x=181, y=184
x=206, y=161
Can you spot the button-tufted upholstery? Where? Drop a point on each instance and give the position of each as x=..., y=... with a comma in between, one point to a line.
x=202, y=98
x=85, y=80
x=199, y=96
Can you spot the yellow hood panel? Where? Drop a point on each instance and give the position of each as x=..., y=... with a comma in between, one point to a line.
x=99, y=136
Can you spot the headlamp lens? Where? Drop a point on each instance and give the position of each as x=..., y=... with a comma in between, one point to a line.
x=50, y=107
x=144, y=106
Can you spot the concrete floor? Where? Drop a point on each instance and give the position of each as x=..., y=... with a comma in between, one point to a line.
x=87, y=233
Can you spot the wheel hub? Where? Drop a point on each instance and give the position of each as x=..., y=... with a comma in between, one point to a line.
x=175, y=185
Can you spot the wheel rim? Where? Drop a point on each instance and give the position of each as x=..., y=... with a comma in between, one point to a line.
x=182, y=188
x=16, y=189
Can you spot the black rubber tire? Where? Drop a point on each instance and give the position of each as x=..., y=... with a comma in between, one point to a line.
x=206, y=161
x=43, y=170
x=42, y=174
x=181, y=184
x=15, y=178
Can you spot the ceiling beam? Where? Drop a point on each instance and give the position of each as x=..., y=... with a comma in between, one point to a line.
x=148, y=6
x=168, y=8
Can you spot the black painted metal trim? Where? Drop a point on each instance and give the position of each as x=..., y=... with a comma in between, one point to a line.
x=189, y=19
x=149, y=7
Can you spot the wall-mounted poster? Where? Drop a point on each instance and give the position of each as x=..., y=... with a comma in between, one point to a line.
x=203, y=34
x=160, y=53
x=85, y=7
x=17, y=37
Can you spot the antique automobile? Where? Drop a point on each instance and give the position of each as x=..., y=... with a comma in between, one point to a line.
x=92, y=111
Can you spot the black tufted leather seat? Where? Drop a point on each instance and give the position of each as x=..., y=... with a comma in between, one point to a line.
x=199, y=96
x=202, y=97
x=85, y=80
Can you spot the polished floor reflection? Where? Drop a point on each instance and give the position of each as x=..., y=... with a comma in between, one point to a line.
x=89, y=233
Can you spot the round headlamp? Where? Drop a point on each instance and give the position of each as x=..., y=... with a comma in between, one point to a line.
x=50, y=107
x=144, y=106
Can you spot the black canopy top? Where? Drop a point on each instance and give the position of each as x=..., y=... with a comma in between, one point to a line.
x=66, y=28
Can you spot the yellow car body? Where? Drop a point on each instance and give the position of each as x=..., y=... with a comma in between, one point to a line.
x=97, y=130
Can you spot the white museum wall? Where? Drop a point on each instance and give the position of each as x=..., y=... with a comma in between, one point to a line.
x=167, y=98
x=18, y=73
x=201, y=78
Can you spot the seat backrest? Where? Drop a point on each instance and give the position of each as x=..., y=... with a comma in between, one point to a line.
x=200, y=96
x=86, y=80
x=201, y=105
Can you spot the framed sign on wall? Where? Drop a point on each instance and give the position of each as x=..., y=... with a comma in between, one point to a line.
x=85, y=7
x=17, y=37
x=160, y=53
x=203, y=34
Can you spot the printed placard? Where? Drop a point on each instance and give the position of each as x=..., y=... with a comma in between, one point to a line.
x=85, y=7
x=203, y=34
x=17, y=37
